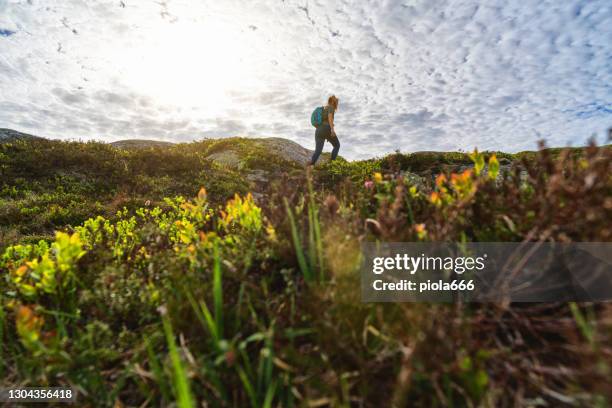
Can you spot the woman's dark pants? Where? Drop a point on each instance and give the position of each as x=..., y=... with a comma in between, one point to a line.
x=322, y=134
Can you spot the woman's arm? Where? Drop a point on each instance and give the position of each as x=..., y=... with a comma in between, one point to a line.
x=330, y=119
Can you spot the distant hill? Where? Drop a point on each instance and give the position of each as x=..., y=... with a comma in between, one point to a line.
x=8, y=135
x=276, y=153
x=140, y=144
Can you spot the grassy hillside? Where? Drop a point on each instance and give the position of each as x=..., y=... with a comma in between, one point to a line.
x=140, y=144
x=169, y=282
x=47, y=185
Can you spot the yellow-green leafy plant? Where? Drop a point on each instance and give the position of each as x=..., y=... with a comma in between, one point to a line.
x=479, y=161
x=242, y=213
x=52, y=271
x=493, y=167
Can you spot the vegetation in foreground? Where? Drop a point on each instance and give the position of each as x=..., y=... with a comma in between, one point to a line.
x=139, y=300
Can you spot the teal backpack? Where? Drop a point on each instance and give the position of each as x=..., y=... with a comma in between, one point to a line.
x=317, y=117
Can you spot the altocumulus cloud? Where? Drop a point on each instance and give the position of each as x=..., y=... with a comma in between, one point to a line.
x=411, y=75
x=6, y=33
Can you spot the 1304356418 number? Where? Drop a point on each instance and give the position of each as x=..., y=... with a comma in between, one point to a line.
x=56, y=394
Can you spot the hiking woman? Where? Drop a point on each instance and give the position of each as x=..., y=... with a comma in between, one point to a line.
x=325, y=131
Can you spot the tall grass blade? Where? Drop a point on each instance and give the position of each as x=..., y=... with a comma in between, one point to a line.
x=210, y=322
x=585, y=327
x=265, y=366
x=318, y=243
x=248, y=387
x=158, y=373
x=312, y=253
x=181, y=381
x=298, y=245
x=315, y=226
x=218, y=292
x=267, y=403
x=248, y=367
x=268, y=360
x=238, y=314
x=204, y=316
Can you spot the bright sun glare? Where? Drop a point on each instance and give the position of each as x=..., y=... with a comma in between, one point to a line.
x=189, y=65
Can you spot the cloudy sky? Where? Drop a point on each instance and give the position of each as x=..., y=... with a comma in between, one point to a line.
x=410, y=74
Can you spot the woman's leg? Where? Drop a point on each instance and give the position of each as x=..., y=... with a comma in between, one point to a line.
x=319, y=142
x=336, y=143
